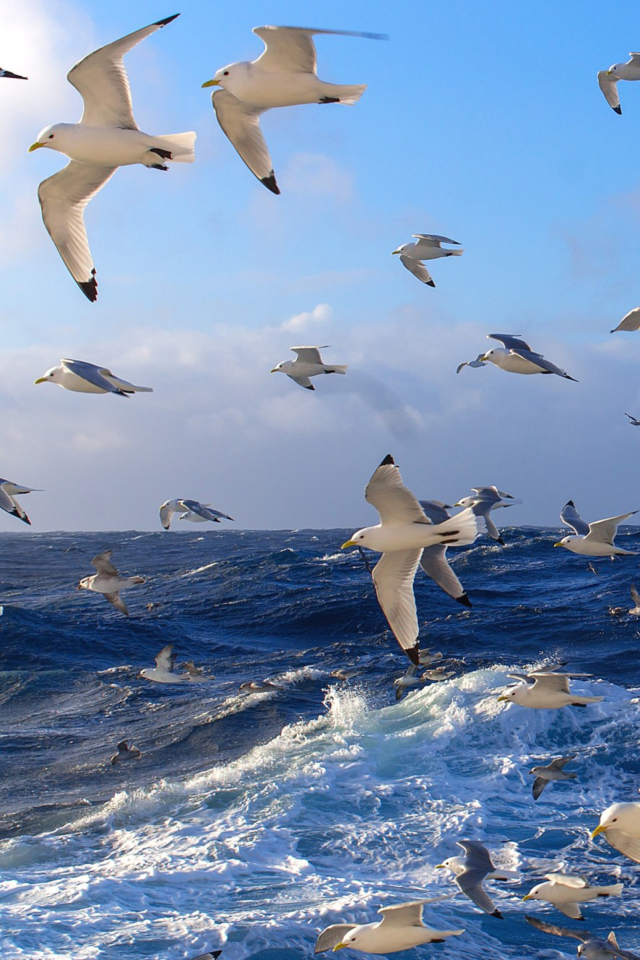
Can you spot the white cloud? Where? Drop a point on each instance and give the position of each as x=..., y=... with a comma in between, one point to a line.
x=308, y=318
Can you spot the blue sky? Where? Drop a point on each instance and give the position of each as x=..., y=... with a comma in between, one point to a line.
x=482, y=121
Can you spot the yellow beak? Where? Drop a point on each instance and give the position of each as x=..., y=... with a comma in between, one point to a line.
x=35, y=146
x=598, y=829
x=40, y=380
x=558, y=544
x=528, y=897
x=503, y=698
x=439, y=866
x=339, y=946
x=275, y=370
x=211, y=83
x=348, y=543
x=609, y=72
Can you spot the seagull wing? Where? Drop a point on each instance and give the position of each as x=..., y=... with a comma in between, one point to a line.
x=92, y=374
x=635, y=596
x=434, y=239
x=166, y=514
x=6, y=502
x=544, y=364
x=571, y=518
x=403, y=914
x=291, y=48
x=309, y=354
x=417, y=269
x=119, y=604
x=476, y=855
x=63, y=198
x=394, y=502
x=630, y=846
x=435, y=511
x=9, y=503
x=604, y=531
x=574, y=882
x=559, y=762
x=302, y=382
x=630, y=321
x=478, y=362
x=166, y=658
x=393, y=577
x=436, y=566
x=207, y=513
x=538, y=786
x=609, y=86
x=557, y=931
x=489, y=494
x=509, y=341
x=240, y=122
x=331, y=936
x=470, y=883
x=557, y=682
x=102, y=563
x=101, y=80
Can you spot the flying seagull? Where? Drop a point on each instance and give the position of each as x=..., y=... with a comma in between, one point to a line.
x=608, y=79
x=592, y=539
x=516, y=356
x=472, y=870
x=565, y=892
x=552, y=771
x=485, y=500
x=8, y=493
x=545, y=690
x=591, y=947
x=620, y=824
x=434, y=558
x=125, y=752
x=308, y=363
x=634, y=422
x=164, y=672
x=108, y=581
x=630, y=321
x=107, y=137
x=282, y=76
x=82, y=377
x=401, y=928
x=428, y=246
x=190, y=510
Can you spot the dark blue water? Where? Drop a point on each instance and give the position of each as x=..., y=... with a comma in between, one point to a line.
x=253, y=820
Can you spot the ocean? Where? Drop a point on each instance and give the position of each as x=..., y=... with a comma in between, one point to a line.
x=254, y=820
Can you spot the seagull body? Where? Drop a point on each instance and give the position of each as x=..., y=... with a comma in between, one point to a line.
x=108, y=581
x=106, y=138
x=472, y=870
x=258, y=686
x=434, y=558
x=608, y=79
x=282, y=76
x=401, y=928
x=82, y=377
x=552, y=771
x=307, y=364
x=516, y=356
x=11, y=76
x=634, y=422
x=190, y=510
x=591, y=947
x=635, y=596
x=545, y=691
x=630, y=321
x=164, y=672
x=620, y=824
x=401, y=536
x=125, y=752
x=566, y=892
x=592, y=539
x=428, y=246
x=485, y=500
x=8, y=493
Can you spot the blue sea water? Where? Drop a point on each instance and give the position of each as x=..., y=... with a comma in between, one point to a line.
x=254, y=820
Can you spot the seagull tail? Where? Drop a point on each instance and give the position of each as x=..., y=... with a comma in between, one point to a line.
x=455, y=253
x=180, y=145
x=459, y=530
x=336, y=368
x=349, y=94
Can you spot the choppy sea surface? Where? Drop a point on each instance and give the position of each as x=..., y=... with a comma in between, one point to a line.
x=254, y=820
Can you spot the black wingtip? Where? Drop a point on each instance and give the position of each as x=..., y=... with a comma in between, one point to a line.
x=25, y=519
x=569, y=503
x=13, y=76
x=500, y=541
x=270, y=183
x=430, y=283
x=496, y=913
x=309, y=387
x=89, y=287
x=618, y=110
x=163, y=23
x=464, y=600
x=414, y=654
x=388, y=461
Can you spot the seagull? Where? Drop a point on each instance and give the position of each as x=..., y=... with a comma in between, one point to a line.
x=545, y=691
x=11, y=76
x=553, y=771
x=630, y=321
x=401, y=536
x=426, y=656
x=635, y=596
x=434, y=558
x=82, y=377
x=470, y=872
x=282, y=76
x=608, y=79
x=485, y=500
x=478, y=362
x=401, y=928
x=106, y=138
x=620, y=824
x=516, y=356
x=190, y=510
x=125, y=752
x=634, y=422
x=408, y=679
x=428, y=247
x=591, y=947
x=8, y=493
x=592, y=539
x=108, y=581
x=163, y=672
x=566, y=892
x=258, y=686
x=308, y=363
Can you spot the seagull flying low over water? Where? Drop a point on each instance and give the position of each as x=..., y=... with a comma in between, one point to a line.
x=552, y=771
x=401, y=928
x=545, y=690
x=125, y=752
x=308, y=363
x=164, y=672
x=591, y=947
x=592, y=539
x=608, y=79
x=515, y=356
x=108, y=581
x=485, y=500
x=401, y=536
x=8, y=502
x=428, y=246
x=11, y=76
x=472, y=870
x=107, y=137
x=82, y=377
x=565, y=892
x=282, y=76
x=434, y=558
x=189, y=510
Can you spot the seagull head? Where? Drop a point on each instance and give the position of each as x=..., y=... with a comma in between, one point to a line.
x=619, y=816
x=51, y=376
x=564, y=542
x=533, y=894
x=358, y=539
x=51, y=137
x=84, y=584
x=279, y=368
x=405, y=246
x=508, y=697
x=225, y=76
